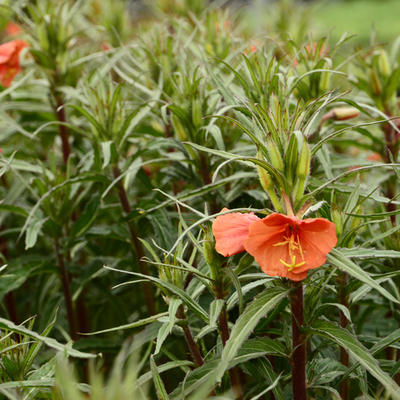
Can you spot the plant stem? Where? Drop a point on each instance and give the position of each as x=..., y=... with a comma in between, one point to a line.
x=66, y=291
x=136, y=244
x=193, y=347
x=299, y=344
x=391, y=139
x=62, y=129
x=233, y=372
x=344, y=356
x=206, y=177
x=391, y=151
x=9, y=298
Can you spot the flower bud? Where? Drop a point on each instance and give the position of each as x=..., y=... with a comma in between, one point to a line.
x=383, y=64
x=274, y=155
x=179, y=128
x=325, y=78
x=171, y=275
x=343, y=113
x=265, y=178
x=355, y=223
x=337, y=218
x=375, y=82
x=303, y=165
x=196, y=113
x=213, y=259
x=291, y=157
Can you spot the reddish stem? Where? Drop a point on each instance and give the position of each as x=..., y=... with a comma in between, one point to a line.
x=67, y=292
x=62, y=129
x=391, y=139
x=9, y=298
x=11, y=306
x=206, y=177
x=193, y=347
x=233, y=372
x=136, y=244
x=391, y=151
x=344, y=356
x=299, y=344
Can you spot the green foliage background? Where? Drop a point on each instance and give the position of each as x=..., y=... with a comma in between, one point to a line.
x=122, y=139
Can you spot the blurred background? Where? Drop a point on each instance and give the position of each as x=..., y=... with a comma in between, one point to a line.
x=336, y=17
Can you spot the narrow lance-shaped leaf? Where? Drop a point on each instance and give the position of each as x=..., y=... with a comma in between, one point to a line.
x=344, y=264
x=246, y=323
x=158, y=383
x=346, y=340
x=132, y=325
x=46, y=340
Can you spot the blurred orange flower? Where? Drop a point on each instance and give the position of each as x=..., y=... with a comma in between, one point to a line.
x=9, y=60
x=12, y=29
x=283, y=245
x=375, y=157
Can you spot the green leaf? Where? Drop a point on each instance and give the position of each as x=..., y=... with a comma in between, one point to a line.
x=268, y=389
x=86, y=219
x=46, y=340
x=158, y=383
x=33, y=231
x=16, y=275
x=173, y=289
x=263, y=371
x=166, y=328
x=360, y=252
x=48, y=382
x=164, y=367
x=198, y=379
x=9, y=208
x=106, y=150
x=376, y=348
x=234, y=299
x=392, y=83
x=216, y=307
x=336, y=258
x=259, y=347
x=135, y=324
x=203, y=378
x=346, y=340
x=246, y=323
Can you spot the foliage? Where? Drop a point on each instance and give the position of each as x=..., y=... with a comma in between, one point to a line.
x=123, y=138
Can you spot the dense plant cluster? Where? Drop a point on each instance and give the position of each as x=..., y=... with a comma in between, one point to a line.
x=192, y=209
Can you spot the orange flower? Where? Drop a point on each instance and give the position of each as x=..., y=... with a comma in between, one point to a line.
x=375, y=157
x=311, y=49
x=250, y=50
x=12, y=29
x=283, y=245
x=230, y=231
x=9, y=60
x=105, y=46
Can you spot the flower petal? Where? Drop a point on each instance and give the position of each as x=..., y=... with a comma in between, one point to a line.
x=231, y=230
x=267, y=242
x=317, y=237
x=263, y=234
x=320, y=232
x=7, y=50
x=9, y=60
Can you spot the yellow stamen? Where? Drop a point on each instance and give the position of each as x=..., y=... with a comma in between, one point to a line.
x=293, y=242
x=293, y=265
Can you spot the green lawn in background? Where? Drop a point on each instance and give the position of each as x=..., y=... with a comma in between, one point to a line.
x=358, y=17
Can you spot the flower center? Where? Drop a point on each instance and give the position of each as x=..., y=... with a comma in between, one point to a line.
x=292, y=240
